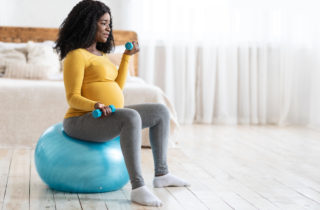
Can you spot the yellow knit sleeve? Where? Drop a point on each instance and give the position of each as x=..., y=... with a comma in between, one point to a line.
x=123, y=70
x=73, y=73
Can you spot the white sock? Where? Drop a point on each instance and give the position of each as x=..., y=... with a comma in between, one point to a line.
x=169, y=180
x=142, y=195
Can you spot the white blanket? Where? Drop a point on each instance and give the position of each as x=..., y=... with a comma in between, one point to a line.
x=29, y=107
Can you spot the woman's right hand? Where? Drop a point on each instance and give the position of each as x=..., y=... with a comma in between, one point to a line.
x=134, y=50
x=106, y=110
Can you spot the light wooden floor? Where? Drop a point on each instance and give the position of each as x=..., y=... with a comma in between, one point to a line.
x=237, y=167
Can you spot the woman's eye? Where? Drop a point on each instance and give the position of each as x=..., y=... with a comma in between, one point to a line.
x=105, y=24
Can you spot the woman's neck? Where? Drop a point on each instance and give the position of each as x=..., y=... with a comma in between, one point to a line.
x=93, y=49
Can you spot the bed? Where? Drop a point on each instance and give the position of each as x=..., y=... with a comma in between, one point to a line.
x=30, y=103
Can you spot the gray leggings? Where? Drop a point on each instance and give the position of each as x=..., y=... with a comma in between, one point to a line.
x=128, y=123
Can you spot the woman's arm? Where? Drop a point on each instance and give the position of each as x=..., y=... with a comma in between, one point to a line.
x=123, y=71
x=73, y=73
x=123, y=68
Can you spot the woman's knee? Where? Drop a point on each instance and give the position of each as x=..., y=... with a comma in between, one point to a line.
x=131, y=117
x=163, y=111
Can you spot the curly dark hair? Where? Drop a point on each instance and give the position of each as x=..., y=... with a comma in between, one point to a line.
x=78, y=30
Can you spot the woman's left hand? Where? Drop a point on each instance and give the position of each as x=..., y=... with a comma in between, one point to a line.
x=134, y=50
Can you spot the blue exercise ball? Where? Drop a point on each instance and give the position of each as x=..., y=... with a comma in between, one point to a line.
x=71, y=165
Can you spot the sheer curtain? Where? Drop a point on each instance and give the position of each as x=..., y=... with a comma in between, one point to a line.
x=232, y=62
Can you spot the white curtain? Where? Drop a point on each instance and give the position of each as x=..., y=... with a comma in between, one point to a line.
x=233, y=62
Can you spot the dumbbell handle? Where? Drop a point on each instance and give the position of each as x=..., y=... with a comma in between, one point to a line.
x=97, y=112
x=129, y=45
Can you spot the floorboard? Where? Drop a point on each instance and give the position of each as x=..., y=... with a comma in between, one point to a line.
x=228, y=167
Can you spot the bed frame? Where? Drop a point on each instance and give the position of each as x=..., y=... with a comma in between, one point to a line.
x=25, y=34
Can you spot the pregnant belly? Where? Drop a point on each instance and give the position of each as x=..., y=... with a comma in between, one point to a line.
x=104, y=92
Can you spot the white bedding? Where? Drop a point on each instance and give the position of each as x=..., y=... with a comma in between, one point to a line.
x=28, y=107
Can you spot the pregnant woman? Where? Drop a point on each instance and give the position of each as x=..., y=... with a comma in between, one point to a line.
x=93, y=82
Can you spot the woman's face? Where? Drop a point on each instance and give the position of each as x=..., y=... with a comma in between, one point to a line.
x=103, y=28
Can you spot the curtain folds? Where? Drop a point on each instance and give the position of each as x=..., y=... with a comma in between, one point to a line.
x=233, y=62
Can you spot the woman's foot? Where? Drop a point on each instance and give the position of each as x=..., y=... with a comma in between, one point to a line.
x=143, y=196
x=169, y=180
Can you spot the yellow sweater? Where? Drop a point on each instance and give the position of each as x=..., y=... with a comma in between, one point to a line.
x=90, y=78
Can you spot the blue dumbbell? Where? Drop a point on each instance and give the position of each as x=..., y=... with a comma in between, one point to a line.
x=97, y=112
x=129, y=45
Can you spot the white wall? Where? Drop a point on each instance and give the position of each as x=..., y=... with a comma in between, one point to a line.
x=51, y=13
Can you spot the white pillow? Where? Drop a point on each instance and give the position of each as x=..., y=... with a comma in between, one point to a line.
x=10, y=55
x=43, y=54
x=11, y=45
x=19, y=46
x=42, y=62
x=26, y=71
